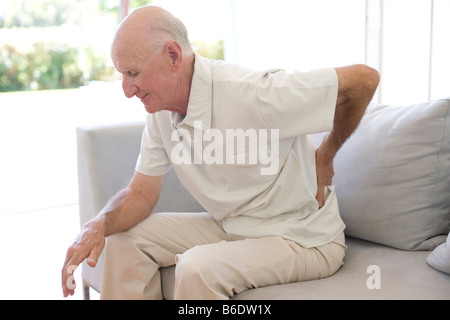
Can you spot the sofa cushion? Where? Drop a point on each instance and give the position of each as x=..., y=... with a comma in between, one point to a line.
x=355, y=279
x=370, y=272
x=392, y=176
x=440, y=257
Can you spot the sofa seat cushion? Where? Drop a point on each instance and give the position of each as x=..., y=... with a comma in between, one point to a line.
x=402, y=275
x=352, y=280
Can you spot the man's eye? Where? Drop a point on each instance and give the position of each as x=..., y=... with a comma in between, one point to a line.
x=132, y=73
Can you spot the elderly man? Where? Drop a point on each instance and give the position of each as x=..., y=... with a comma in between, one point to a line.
x=260, y=228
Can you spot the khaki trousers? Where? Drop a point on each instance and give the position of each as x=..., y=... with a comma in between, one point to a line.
x=210, y=264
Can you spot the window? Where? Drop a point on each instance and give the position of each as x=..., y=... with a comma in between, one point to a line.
x=406, y=40
x=440, y=50
x=301, y=34
x=409, y=44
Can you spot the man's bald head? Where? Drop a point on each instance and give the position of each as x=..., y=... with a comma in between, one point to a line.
x=153, y=27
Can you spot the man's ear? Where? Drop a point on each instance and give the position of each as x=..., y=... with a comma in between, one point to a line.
x=175, y=54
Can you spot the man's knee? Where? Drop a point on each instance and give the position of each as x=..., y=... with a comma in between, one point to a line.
x=192, y=263
x=196, y=265
x=198, y=277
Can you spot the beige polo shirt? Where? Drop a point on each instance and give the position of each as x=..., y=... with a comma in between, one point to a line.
x=243, y=149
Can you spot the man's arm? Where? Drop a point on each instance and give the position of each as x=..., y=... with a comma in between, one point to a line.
x=126, y=209
x=357, y=85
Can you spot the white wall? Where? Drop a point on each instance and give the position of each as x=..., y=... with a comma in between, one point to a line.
x=301, y=34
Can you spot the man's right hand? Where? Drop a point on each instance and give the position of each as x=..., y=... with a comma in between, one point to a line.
x=88, y=245
x=124, y=210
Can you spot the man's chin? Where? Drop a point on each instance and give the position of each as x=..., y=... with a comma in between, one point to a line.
x=151, y=109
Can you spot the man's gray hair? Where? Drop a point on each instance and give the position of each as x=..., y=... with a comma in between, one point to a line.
x=169, y=28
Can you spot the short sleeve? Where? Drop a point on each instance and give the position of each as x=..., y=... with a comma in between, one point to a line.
x=153, y=159
x=298, y=103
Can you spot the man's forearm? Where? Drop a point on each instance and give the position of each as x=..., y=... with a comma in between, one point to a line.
x=357, y=85
x=346, y=120
x=123, y=211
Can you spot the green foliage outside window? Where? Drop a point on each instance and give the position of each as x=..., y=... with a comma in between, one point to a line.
x=37, y=61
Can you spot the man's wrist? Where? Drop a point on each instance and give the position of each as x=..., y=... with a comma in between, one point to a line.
x=98, y=224
x=327, y=150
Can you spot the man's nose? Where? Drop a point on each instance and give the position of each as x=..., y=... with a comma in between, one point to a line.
x=129, y=88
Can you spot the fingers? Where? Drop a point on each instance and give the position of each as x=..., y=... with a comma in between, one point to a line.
x=88, y=245
x=95, y=254
x=74, y=257
x=73, y=260
x=320, y=197
x=67, y=276
x=325, y=173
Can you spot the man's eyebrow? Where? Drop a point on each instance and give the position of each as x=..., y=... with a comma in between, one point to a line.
x=124, y=67
x=133, y=70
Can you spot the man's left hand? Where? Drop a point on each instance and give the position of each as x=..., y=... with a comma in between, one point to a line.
x=325, y=173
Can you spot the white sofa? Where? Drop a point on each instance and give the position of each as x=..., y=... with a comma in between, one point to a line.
x=393, y=185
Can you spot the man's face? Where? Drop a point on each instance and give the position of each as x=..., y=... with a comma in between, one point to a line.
x=146, y=74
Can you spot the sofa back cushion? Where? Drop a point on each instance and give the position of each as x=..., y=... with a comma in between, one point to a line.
x=392, y=176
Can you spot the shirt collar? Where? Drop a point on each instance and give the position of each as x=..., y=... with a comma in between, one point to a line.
x=199, y=106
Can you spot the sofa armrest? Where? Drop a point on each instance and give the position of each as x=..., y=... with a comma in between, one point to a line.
x=106, y=156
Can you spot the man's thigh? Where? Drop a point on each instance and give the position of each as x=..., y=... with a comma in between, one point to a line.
x=176, y=232
x=231, y=267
